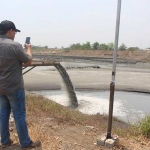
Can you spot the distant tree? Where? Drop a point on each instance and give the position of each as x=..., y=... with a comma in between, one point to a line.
x=62, y=47
x=78, y=46
x=103, y=46
x=46, y=47
x=75, y=46
x=110, y=46
x=95, y=46
x=39, y=47
x=133, y=48
x=148, y=48
x=122, y=47
x=86, y=46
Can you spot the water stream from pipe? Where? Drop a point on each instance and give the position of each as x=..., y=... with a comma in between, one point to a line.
x=68, y=85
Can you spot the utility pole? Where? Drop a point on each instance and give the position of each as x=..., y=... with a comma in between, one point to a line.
x=112, y=84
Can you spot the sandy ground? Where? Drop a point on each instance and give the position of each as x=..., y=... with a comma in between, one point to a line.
x=92, y=79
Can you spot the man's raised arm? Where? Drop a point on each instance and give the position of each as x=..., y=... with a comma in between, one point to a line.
x=28, y=51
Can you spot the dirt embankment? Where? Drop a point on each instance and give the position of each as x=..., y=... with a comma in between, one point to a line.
x=139, y=55
x=60, y=128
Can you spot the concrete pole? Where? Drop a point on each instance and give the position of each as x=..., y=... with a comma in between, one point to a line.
x=112, y=84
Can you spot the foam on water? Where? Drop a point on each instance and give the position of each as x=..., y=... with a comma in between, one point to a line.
x=92, y=102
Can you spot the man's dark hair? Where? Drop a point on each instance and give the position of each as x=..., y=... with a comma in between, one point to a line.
x=3, y=32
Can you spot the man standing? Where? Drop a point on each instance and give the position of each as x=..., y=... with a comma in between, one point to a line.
x=12, y=94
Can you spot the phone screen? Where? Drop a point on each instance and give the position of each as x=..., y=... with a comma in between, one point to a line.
x=27, y=40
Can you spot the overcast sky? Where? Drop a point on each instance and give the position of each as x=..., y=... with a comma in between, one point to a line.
x=59, y=23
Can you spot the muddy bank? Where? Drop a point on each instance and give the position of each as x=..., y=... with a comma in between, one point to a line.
x=83, y=58
x=90, y=77
x=137, y=55
x=88, y=80
x=138, y=61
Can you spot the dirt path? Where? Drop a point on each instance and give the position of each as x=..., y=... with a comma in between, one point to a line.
x=73, y=136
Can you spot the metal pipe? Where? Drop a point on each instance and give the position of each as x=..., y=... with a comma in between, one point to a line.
x=44, y=64
x=116, y=40
x=112, y=84
x=36, y=63
x=24, y=68
x=28, y=70
x=111, y=98
x=36, y=60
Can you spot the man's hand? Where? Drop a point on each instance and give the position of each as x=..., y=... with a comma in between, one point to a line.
x=28, y=51
x=27, y=46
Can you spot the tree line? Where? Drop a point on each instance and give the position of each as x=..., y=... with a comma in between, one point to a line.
x=39, y=47
x=98, y=46
x=89, y=46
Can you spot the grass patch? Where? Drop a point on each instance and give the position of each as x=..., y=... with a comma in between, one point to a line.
x=47, y=120
x=39, y=106
x=143, y=127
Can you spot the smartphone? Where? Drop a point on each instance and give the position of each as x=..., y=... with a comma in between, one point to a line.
x=27, y=40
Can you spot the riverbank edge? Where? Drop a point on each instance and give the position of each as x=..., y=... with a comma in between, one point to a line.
x=72, y=117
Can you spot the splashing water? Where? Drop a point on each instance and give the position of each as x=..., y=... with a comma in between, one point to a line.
x=68, y=85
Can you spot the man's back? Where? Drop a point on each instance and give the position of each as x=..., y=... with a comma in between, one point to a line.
x=11, y=57
x=12, y=94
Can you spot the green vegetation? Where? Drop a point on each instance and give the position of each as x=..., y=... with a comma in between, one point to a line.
x=39, y=47
x=143, y=126
x=41, y=107
x=98, y=46
x=88, y=46
x=122, y=47
x=133, y=48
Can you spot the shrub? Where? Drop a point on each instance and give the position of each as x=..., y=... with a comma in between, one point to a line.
x=143, y=126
